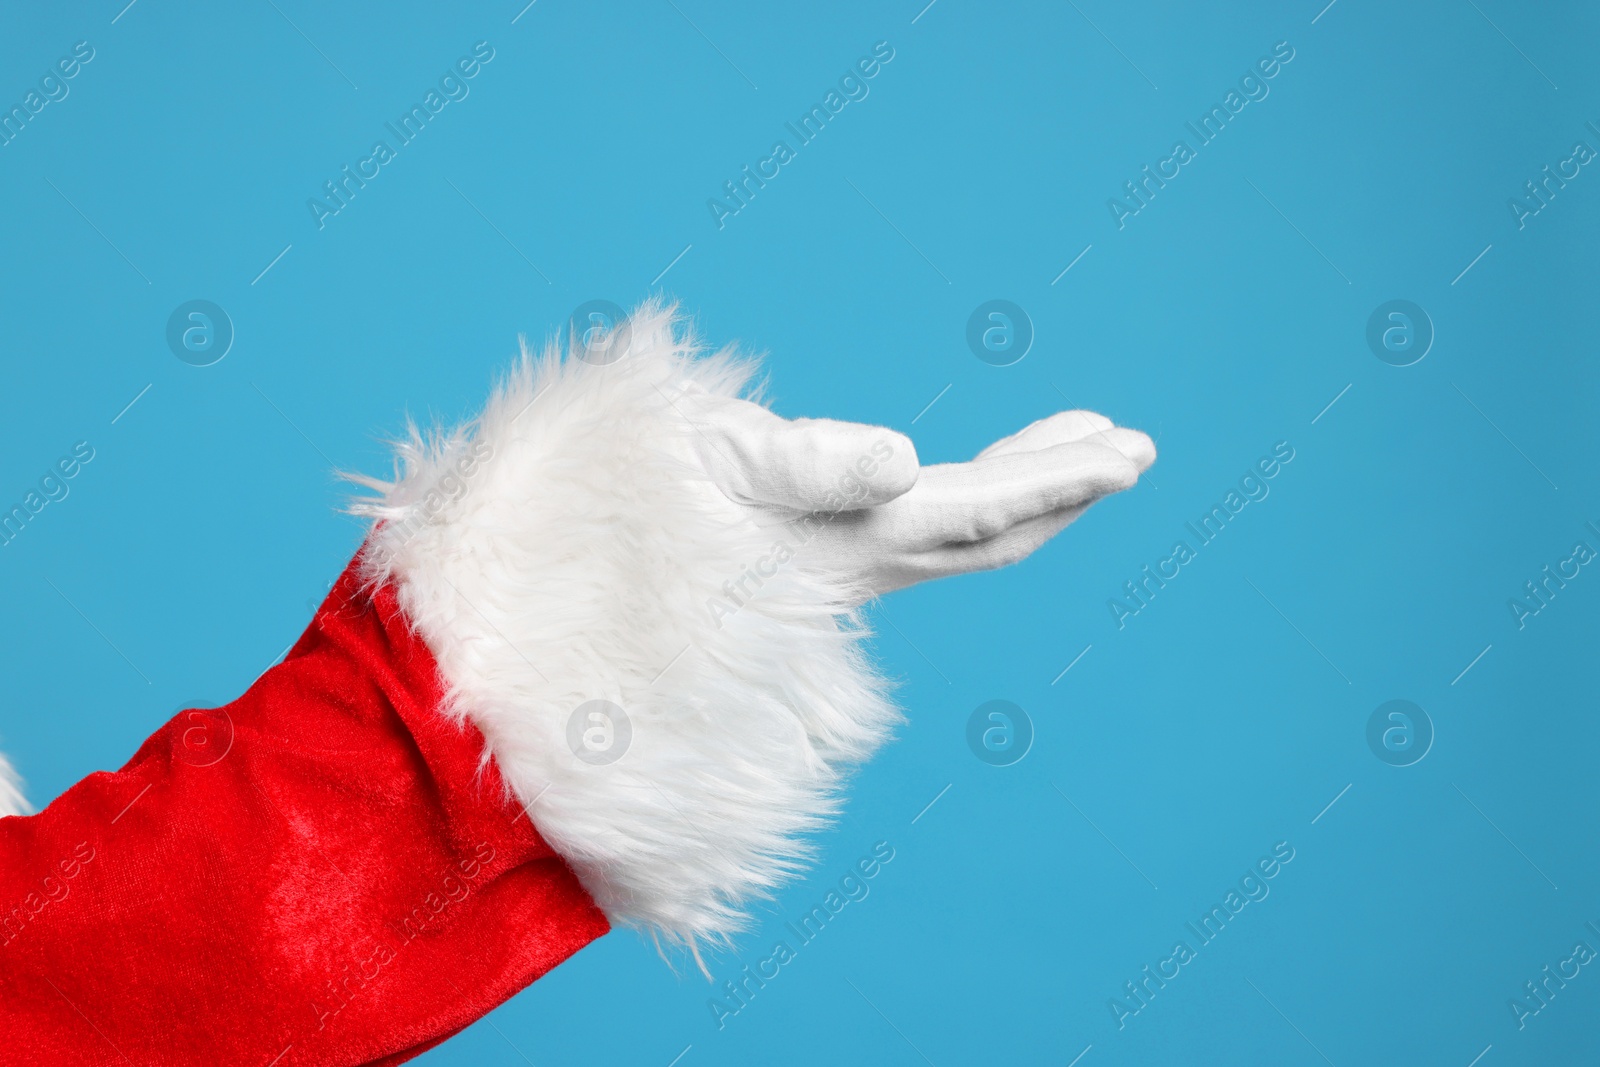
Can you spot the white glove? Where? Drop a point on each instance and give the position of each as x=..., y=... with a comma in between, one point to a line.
x=882, y=522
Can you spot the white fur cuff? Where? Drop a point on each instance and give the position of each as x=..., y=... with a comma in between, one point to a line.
x=567, y=559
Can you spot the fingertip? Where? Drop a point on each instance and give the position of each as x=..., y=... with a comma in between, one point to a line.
x=1127, y=473
x=1091, y=421
x=1062, y=428
x=860, y=464
x=888, y=466
x=1136, y=446
x=1109, y=471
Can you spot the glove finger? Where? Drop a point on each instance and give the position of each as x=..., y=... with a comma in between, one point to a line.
x=963, y=503
x=758, y=458
x=1134, y=444
x=1067, y=426
x=1011, y=546
x=1062, y=428
x=1026, y=537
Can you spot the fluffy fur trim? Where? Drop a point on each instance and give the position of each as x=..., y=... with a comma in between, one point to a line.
x=12, y=801
x=565, y=547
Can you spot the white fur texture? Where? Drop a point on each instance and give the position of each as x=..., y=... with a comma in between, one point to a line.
x=12, y=801
x=578, y=562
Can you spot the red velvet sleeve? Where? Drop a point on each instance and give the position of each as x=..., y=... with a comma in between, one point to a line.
x=324, y=871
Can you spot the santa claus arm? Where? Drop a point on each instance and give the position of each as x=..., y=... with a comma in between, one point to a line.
x=322, y=872
x=599, y=661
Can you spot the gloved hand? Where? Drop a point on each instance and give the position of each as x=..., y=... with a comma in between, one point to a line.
x=632, y=550
x=409, y=821
x=883, y=522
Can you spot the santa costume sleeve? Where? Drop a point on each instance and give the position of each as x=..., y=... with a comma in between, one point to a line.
x=528, y=711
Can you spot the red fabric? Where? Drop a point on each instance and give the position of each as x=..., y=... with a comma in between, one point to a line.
x=321, y=872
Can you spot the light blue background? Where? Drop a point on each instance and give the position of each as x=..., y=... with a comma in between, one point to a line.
x=1213, y=726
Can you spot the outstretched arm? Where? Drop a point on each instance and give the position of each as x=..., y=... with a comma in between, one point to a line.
x=598, y=663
